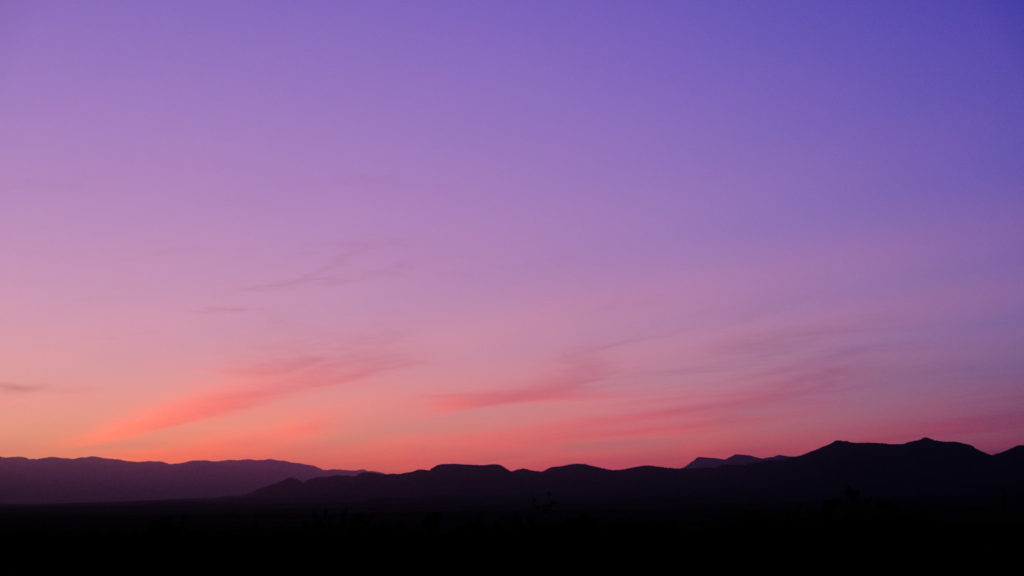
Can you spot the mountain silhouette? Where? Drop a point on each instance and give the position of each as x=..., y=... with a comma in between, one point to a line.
x=924, y=474
x=734, y=460
x=61, y=480
x=923, y=503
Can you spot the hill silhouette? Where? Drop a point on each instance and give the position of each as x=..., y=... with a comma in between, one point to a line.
x=62, y=480
x=925, y=474
x=734, y=460
x=923, y=503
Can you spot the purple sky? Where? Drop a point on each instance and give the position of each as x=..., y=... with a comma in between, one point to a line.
x=392, y=234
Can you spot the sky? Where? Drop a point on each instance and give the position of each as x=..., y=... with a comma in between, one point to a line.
x=389, y=235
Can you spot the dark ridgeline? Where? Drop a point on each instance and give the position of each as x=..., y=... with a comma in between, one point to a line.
x=734, y=460
x=921, y=502
x=921, y=475
x=63, y=480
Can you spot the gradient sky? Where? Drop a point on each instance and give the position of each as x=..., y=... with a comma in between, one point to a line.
x=388, y=235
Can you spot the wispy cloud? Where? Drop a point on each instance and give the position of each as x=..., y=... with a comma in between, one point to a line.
x=344, y=267
x=740, y=382
x=284, y=366
x=568, y=384
x=15, y=388
x=249, y=388
x=779, y=341
x=1010, y=418
x=223, y=310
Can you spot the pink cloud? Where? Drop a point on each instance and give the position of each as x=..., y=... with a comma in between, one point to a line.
x=16, y=388
x=567, y=385
x=289, y=378
x=282, y=439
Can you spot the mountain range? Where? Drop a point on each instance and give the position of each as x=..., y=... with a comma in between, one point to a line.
x=62, y=480
x=924, y=473
x=921, y=504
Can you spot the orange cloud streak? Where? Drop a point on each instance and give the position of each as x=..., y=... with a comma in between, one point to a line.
x=234, y=398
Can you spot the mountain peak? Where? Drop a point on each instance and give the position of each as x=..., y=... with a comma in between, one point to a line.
x=473, y=468
x=702, y=462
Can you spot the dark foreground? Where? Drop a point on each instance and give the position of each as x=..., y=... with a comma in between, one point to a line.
x=924, y=504
x=836, y=534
